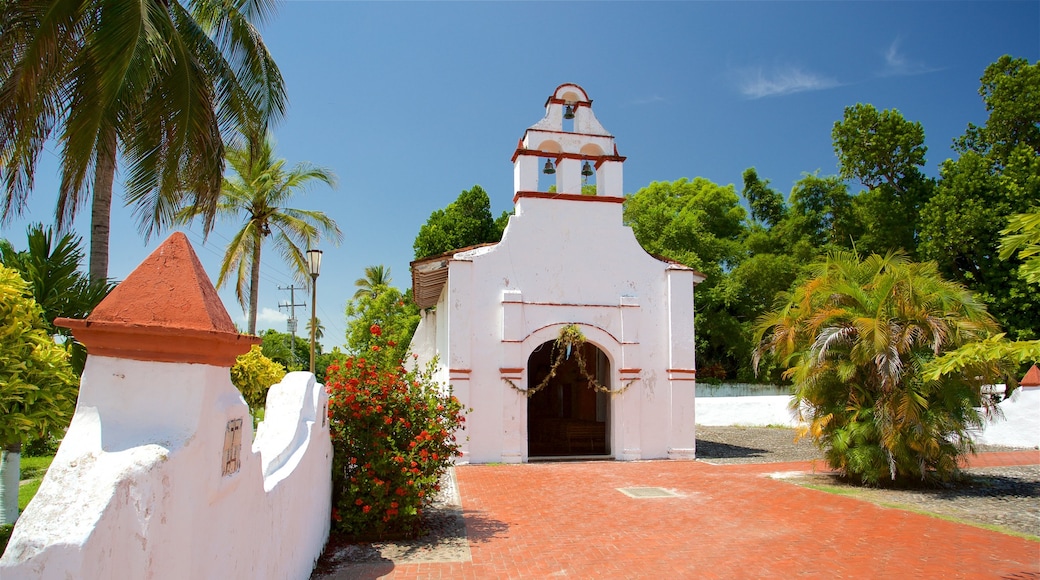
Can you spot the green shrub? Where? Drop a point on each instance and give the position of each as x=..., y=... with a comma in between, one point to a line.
x=254, y=374
x=37, y=386
x=856, y=338
x=393, y=438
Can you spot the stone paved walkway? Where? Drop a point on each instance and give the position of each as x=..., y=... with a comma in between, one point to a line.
x=568, y=520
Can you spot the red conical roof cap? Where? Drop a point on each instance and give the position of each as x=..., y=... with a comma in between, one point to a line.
x=166, y=310
x=1032, y=378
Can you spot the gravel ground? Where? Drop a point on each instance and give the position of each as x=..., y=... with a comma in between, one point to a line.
x=1005, y=497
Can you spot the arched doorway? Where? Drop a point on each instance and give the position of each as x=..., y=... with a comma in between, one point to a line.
x=568, y=417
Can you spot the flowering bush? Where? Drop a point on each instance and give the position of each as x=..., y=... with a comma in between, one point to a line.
x=254, y=374
x=392, y=437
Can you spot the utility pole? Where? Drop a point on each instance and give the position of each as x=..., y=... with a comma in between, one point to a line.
x=291, y=307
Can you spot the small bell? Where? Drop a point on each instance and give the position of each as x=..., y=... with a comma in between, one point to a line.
x=586, y=170
x=568, y=112
x=548, y=169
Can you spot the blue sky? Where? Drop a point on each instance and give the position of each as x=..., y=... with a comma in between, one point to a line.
x=409, y=103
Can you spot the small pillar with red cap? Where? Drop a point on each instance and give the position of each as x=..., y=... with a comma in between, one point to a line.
x=157, y=475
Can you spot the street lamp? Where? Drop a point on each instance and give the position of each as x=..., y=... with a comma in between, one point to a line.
x=314, y=268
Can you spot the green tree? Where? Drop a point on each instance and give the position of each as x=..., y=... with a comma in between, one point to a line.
x=697, y=223
x=766, y=204
x=37, y=386
x=376, y=279
x=1022, y=237
x=465, y=222
x=854, y=339
x=996, y=176
x=394, y=314
x=821, y=214
x=51, y=268
x=291, y=352
x=702, y=225
x=1009, y=88
x=258, y=191
x=253, y=374
x=884, y=152
x=155, y=85
x=319, y=329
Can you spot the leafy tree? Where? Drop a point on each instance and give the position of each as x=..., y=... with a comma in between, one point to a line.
x=1022, y=237
x=1009, y=88
x=394, y=314
x=319, y=329
x=155, y=84
x=284, y=349
x=697, y=223
x=878, y=147
x=884, y=152
x=822, y=213
x=253, y=374
x=701, y=225
x=37, y=386
x=376, y=279
x=465, y=222
x=51, y=268
x=767, y=205
x=258, y=191
x=996, y=176
x=854, y=339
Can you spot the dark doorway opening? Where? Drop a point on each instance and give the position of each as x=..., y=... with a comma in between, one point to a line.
x=568, y=417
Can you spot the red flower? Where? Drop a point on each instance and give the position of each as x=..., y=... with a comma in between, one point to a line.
x=375, y=330
x=335, y=514
x=366, y=509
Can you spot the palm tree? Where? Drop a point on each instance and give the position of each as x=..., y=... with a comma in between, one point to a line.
x=376, y=279
x=319, y=329
x=259, y=191
x=855, y=337
x=153, y=84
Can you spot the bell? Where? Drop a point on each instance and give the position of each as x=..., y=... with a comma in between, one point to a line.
x=568, y=112
x=548, y=169
x=586, y=170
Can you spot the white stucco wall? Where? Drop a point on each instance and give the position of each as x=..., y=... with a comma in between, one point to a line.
x=136, y=489
x=1018, y=424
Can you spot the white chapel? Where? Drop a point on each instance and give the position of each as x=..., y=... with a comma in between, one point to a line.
x=566, y=266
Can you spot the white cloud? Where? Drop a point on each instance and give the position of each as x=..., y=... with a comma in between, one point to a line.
x=893, y=59
x=757, y=83
x=897, y=64
x=266, y=318
x=649, y=100
x=270, y=316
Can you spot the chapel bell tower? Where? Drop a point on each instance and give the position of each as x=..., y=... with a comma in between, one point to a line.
x=571, y=145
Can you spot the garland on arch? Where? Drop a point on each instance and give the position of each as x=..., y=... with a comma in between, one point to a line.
x=571, y=339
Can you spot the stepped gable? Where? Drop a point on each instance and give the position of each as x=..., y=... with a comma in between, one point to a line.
x=166, y=310
x=1032, y=378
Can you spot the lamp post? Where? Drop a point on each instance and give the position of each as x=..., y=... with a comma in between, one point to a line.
x=314, y=268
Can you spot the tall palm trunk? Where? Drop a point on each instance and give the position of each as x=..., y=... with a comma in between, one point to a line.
x=101, y=204
x=10, y=472
x=254, y=283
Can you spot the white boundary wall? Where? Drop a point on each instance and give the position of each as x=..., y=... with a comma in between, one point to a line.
x=1018, y=425
x=137, y=489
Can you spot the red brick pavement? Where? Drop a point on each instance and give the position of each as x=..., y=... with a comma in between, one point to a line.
x=547, y=520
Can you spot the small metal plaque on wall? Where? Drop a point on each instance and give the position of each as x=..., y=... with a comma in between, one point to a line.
x=232, y=447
